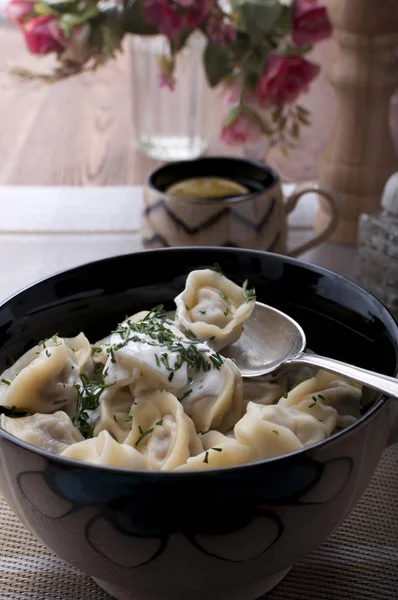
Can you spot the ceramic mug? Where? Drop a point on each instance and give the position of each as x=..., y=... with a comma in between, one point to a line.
x=255, y=220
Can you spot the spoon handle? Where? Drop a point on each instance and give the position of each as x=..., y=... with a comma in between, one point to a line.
x=382, y=383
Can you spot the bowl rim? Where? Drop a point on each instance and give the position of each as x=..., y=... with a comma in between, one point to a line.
x=234, y=160
x=378, y=405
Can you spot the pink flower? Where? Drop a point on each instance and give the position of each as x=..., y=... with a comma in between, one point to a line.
x=44, y=35
x=310, y=22
x=17, y=11
x=241, y=130
x=196, y=12
x=161, y=14
x=219, y=32
x=186, y=3
x=285, y=78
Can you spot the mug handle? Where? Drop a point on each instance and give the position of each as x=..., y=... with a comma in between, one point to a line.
x=330, y=196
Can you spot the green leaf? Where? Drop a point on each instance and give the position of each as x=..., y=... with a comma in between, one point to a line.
x=230, y=118
x=57, y=6
x=276, y=114
x=255, y=62
x=133, y=20
x=241, y=45
x=217, y=63
x=43, y=9
x=252, y=67
x=284, y=151
x=253, y=114
x=110, y=41
x=302, y=110
x=179, y=43
x=250, y=81
x=293, y=51
x=304, y=120
x=61, y=3
x=285, y=20
x=258, y=16
x=68, y=21
x=295, y=131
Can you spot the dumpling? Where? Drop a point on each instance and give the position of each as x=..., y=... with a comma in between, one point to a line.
x=42, y=380
x=219, y=451
x=213, y=308
x=334, y=401
x=81, y=348
x=304, y=426
x=153, y=354
x=150, y=347
x=53, y=432
x=100, y=348
x=162, y=432
x=263, y=392
x=268, y=430
x=104, y=450
x=214, y=399
x=99, y=353
x=113, y=413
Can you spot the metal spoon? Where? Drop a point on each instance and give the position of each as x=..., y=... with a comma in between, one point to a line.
x=272, y=342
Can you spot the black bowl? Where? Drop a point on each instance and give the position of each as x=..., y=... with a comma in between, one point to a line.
x=229, y=533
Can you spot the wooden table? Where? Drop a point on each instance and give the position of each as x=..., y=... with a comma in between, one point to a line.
x=80, y=131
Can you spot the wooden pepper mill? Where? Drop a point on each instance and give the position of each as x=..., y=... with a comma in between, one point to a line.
x=360, y=155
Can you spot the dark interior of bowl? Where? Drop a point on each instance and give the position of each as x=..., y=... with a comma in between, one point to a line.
x=340, y=319
x=255, y=176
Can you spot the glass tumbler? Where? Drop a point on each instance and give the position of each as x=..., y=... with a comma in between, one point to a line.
x=168, y=123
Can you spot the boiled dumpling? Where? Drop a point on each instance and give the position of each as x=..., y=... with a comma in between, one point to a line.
x=150, y=348
x=114, y=413
x=104, y=450
x=266, y=437
x=276, y=429
x=162, y=432
x=263, y=392
x=212, y=308
x=81, y=348
x=214, y=398
x=42, y=380
x=333, y=400
x=53, y=432
x=100, y=349
x=219, y=451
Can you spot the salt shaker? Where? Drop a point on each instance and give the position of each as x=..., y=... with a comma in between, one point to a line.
x=377, y=258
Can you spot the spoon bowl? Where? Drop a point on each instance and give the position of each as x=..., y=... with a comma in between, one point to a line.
x=270, y=338
x=272, y=342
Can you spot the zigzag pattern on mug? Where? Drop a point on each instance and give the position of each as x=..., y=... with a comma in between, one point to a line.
x=159, y=239
x=156, y=239
x=161, y=204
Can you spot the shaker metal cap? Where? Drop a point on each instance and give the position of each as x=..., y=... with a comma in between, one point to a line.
x=389, y=200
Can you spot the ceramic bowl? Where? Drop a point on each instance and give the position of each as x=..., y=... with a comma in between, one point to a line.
x=230, y=533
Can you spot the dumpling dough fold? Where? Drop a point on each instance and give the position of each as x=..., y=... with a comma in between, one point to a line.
x=162, y=432
x=212, y=308
x=106, y=451
x=53, y=432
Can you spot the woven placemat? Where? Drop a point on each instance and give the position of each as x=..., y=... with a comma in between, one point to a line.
x=358, y=562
